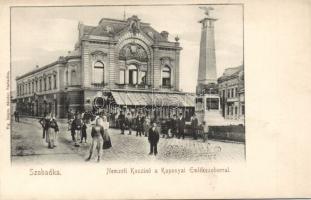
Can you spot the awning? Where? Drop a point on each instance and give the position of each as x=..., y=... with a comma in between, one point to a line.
x=153, y=98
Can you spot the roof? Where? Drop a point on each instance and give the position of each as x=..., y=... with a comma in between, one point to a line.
x=61, y=60
x=108, y=27
x=230, y=73
x=137, y=98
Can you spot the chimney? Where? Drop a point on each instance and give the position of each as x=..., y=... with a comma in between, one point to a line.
x=37, y=66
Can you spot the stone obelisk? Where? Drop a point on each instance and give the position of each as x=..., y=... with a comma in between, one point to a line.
x=207, y=75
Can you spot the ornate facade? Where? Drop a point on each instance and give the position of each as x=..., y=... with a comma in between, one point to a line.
x=114, y=58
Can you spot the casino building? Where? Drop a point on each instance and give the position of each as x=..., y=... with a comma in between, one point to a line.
x=116, y=64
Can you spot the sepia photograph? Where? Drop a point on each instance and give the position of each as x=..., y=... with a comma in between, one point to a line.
x=165, y=99
x=127, y=83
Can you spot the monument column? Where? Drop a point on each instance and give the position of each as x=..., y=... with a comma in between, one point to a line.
x=207, y=75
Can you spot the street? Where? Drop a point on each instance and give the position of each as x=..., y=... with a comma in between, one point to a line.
x=29, y=147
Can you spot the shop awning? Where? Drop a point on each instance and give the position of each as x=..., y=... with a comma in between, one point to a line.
x=153, y=98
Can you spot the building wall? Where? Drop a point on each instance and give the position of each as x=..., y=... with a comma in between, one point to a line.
x=232, y=96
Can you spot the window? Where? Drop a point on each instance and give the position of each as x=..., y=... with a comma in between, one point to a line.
x=44, y=82
x=73, y=77
x=212, y=103
x=40, y=85
x=33, y=86
x=228, y=93
x=29, y=88
x=122, y=76
x=133, y=73
x=50, y=83
x=36, y=86
x=236, y=110
x=55, y=81
x=236, y=91
x=142, y=77
x=243, y=109
x=99, y=73
x=166, y=76
x=66, y=77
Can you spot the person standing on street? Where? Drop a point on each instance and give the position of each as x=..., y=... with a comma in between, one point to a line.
x=77, y=126
x=194, y=126
x=181, y=126
x=52, y=130
x=153, y=138
x=97, y=134
x=43, y=122
x=146, y=125
x=83, y=131
x=121, y=120
x=107, y=140
x=205, y=129
x=129, y=122
x=16, y=116
x=139, y=124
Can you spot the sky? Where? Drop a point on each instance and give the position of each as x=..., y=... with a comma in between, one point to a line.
x=39, y=35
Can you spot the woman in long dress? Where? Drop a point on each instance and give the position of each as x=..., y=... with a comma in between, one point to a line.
x=97, y=134
x=52, y=131
x=107, y=140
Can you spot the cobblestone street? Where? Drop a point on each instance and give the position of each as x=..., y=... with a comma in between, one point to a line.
x=28, y=146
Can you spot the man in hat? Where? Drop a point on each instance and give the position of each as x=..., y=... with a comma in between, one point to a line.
x=153, y=138
x=181, y=126
x=140, y=124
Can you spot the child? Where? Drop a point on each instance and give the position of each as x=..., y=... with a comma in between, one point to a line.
x=83, y=131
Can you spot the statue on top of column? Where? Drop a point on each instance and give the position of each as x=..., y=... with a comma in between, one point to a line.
x=207, y=10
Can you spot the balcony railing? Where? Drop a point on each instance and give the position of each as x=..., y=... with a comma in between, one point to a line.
x=132, y=86
x=99, y=85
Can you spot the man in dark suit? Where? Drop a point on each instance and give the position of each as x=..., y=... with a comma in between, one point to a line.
x=43, y=122
x=153, y=139
x=181, y=126
x=121, y=120
x=139, y=124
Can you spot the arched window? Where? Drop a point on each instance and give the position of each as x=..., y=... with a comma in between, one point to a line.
x=50, y=83
x=133, y=74
x=40, y=85
x=44, y=80
x=66, y=77
x=99, y=73
x=55, y=81
x=73, y=77
x=166, y=76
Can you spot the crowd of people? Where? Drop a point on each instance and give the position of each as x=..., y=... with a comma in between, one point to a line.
x=99, y=124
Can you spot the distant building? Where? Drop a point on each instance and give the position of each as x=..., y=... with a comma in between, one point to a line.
x=231, y=91
x=118, y=63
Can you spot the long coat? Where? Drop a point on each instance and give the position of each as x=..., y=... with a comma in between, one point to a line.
x=153, y=136
x=180, y=123
x=140, y=123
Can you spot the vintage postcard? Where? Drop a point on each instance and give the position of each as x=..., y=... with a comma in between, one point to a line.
x=137, y=100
